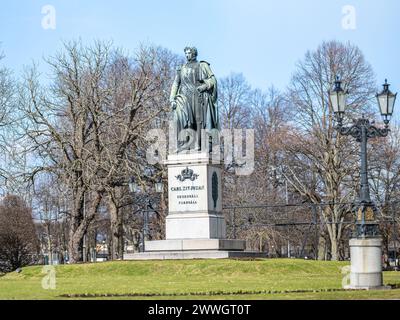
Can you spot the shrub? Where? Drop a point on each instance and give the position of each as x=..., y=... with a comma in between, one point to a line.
x=18, y=239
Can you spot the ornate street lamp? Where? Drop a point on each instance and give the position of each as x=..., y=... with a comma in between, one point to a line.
x=159, y=185
x=134, y=188
x=338, y=100
x=362, y=130
x=366, y=225
x=386, y=100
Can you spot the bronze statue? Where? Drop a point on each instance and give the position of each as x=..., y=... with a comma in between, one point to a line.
x=194, y=99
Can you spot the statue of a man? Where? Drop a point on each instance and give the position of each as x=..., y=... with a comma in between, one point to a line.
x=194, y=98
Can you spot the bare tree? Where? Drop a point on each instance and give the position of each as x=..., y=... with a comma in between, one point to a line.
x=7, y=96
x=12, y=157
x=146, y=79
x=50, y=210
x=88, y=124
x=318, y=160
x=384, y=169
x=234, y=101
x=234, y=94
x=271, y=125
x=63, y=126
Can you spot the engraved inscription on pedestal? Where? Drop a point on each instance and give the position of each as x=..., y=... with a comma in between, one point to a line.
x=187, y=189
x=191, y=191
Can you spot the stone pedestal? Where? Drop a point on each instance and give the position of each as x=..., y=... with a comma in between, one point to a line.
x=366, y=264
x=195, y=225
x=194, y=198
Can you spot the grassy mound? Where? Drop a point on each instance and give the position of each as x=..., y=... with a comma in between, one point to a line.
x=180, y=278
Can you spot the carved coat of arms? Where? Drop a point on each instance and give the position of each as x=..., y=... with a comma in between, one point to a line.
x=187, y=174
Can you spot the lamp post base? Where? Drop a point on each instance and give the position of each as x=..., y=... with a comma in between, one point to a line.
x=366, y=264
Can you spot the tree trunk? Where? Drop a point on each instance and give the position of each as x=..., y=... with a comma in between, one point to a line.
x=334, y=230
x=80, y=225
x=49, y=243
x=117, y=248
x=321, y=248
x=121, y=238
x=75, y=247
x=334, y=242
x=385, y=249
x=334, y=249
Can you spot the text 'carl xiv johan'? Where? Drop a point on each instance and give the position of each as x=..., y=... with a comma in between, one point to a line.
x=188, y=188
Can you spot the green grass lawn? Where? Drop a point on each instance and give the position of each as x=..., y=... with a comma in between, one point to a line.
x=193, y=279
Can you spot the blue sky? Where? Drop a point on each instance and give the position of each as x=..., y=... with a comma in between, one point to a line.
x=263, y=39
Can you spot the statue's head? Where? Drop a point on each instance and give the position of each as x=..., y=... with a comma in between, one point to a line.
x=190, y=53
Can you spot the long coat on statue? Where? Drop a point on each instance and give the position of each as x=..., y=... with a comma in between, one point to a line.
x=195, y=110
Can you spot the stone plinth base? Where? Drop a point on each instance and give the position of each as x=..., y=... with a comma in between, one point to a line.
x=366, y=264
x=194, y=249
x=195, y=226
x=195, y=244
x=202, y=254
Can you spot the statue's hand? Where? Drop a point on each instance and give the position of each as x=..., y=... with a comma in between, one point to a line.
x=202, y=88
x=173, y=105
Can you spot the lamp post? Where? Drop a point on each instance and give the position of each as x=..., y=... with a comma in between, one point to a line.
x=365, y=247
x=133, y=188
